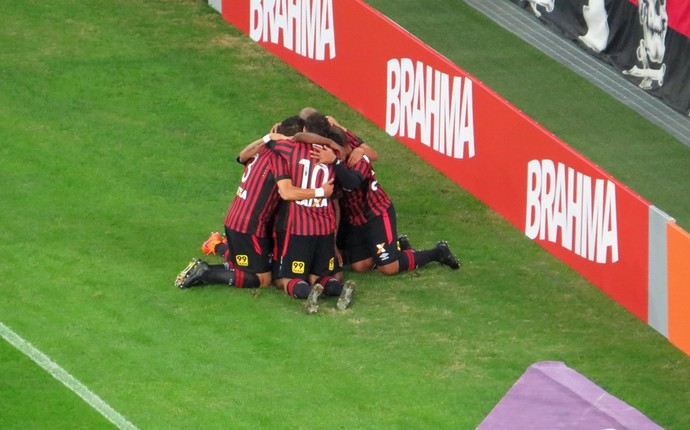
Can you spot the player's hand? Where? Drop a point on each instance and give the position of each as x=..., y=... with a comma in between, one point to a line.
x=274, y=129
x=328, y=188
x=324, y=155
x=355, y=156
x=333, y=121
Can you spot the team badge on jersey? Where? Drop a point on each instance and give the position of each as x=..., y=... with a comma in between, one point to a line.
x=242, y=260
x=298, y=267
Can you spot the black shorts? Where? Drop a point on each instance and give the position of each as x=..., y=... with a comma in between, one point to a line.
x=343, y=230
x=307, y=255
x=278, y=244
x=377, y=239
x=250, y=253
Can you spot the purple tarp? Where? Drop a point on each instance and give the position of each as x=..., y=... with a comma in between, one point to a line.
x=550, y=395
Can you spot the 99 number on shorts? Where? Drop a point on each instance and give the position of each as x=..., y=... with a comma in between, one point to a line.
x=298, y=267
x=242, y=260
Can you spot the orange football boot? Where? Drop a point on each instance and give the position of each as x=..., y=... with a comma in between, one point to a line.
x=209, y=246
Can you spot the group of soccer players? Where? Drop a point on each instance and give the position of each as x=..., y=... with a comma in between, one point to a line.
x=307, y=203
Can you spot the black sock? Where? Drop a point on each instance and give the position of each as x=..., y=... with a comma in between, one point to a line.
x=298, y=288
x=221, y=249
x=406, y=261
x=422, y=258
x=245, y=280
x=331, y=286
x=218, y=275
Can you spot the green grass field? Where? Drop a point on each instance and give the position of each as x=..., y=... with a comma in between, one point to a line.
x=120, y=122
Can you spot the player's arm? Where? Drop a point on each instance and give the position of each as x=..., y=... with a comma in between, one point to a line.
x=349, y=179
x=290, y=192
x=314, y=138
x=359, y=152
x=249, y=151
x=360, y=148
x=253, y=148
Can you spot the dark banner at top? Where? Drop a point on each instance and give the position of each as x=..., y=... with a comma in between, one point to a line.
x=648, y=41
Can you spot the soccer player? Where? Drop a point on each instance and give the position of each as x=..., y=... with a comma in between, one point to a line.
x=372, y=239
x=307, y=262
x=249, y=221
x=358, y=149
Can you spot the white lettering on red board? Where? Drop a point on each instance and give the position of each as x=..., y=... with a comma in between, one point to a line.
x=302, y=26
x=564, y=201
x=439, y=106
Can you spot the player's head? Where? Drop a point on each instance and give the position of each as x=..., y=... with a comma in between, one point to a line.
x=291, y=125
x=317, y=123
x=337, y=135
x=306, y=112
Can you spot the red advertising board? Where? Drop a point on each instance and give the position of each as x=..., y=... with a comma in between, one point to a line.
x=566, y=203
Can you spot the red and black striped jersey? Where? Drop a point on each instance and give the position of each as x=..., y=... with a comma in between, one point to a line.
x=308, y=217
x=353, y=140
x=366, y=201
x=256, y=200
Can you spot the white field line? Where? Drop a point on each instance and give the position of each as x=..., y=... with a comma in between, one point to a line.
x=63, y=376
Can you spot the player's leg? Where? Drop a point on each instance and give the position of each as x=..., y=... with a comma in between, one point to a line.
x=357, y=248
x=220, y=274
x=381, y=238
x=199, y=272
x=324, y=268
x=407, y=259
x=252, y=259
x=295, y=265
x=412, y=259
x=341, y=240
x=252, y=262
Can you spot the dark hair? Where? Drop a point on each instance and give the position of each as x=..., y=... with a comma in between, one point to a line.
x=291, y=125
x=337, y=135
x=317, y=123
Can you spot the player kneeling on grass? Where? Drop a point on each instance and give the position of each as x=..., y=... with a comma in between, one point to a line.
x=307, y=260
x=372, y=239
x=248, y=224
